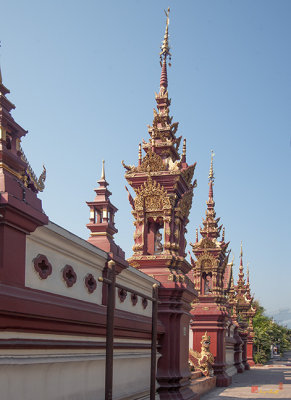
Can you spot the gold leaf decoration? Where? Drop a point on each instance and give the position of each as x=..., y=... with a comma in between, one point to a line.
x=152, y=162
x=151, y=197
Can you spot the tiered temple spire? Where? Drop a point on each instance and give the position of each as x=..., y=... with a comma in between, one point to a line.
x=208, y=274
x=163, y=185
x=209, y=245
x=211, y=228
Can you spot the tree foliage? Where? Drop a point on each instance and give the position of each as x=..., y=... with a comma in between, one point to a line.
x=268, y=332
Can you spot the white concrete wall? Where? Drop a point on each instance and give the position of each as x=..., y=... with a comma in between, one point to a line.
x=72, y=374
x=63, y=248
x=75, y=374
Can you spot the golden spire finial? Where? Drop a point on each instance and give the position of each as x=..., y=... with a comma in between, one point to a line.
x=165, y=44
x=248, y=273
x=211, y=173
x=241, y=251
x=103, y=170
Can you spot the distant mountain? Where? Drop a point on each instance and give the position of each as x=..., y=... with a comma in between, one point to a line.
x=281, y=316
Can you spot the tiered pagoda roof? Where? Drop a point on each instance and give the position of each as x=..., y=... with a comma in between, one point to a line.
x=162, y=181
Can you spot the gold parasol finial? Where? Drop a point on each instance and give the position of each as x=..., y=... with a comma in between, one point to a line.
x=165, y=48
x=211, y=173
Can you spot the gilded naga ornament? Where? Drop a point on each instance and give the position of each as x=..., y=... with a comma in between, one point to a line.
x=203, y=361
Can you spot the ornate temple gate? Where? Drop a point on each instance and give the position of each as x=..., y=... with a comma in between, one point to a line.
x=110, y=281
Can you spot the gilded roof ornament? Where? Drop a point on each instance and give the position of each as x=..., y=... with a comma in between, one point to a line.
x=165, y=48
x=211, y=173
x=29, y=176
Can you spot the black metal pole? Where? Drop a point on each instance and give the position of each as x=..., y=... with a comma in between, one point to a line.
x=110, y=330
x=154, y=342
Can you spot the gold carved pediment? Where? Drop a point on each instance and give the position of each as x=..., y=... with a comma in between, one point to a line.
x=152, y=197
x=206, y=262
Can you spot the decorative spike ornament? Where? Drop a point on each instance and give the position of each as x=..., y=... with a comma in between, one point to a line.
x=139, y=154
x=184, y=147
x=103, y=170
x=196, y=235
x=183, y=158
x=241, y=281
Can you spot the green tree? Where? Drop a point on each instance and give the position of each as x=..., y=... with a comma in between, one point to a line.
x=268, y=332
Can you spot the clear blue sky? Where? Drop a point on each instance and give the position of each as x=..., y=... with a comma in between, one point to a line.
x=83, y=75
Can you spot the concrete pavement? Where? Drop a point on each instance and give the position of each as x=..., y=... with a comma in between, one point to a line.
x=272, y=381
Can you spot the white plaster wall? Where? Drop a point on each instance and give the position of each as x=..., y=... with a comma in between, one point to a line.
x=63, y=248
x=73, y=375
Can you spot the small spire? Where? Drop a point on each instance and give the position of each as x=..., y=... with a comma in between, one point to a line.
x=223, y=234
x=183, y=158
x=248, y=274
x=241, y=268
x=184, y=147
x=165, y=48
x=196, y=235
x=103, y=170
x=139, y=154
x=211, y=177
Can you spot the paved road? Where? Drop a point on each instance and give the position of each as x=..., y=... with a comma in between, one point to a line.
x=272, y=381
